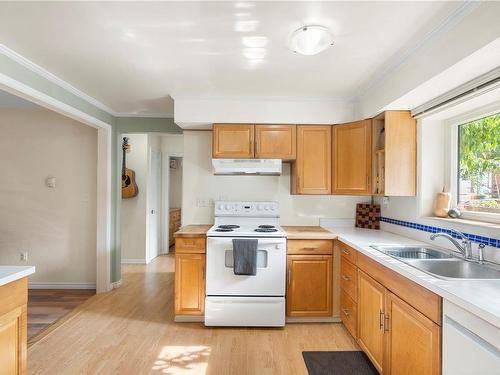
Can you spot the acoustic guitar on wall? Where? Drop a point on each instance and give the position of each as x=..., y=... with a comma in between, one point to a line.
x=129, y=186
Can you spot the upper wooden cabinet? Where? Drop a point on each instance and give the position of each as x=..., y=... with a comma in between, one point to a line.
x=312, y=171
x=244, y=141
x=352, y=158
x=275, y=142
x=394, y=154
x=233, y=141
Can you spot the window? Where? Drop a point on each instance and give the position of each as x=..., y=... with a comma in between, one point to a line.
x=478, y=188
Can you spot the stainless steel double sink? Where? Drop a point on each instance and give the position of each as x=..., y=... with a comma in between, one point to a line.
x=440, y=263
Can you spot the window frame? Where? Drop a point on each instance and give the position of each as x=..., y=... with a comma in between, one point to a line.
x=452, y=178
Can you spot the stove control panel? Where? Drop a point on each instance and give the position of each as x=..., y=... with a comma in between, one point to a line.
x=248, y=209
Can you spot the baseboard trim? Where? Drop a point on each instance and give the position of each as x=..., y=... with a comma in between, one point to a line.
x=329, y=319
x=59, y=285
x=134, y=261
x=189, y=318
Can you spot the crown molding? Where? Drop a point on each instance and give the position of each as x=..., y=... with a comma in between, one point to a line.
x=4, y=50
x=346, y=99
x=462, y=10
x=144, y=115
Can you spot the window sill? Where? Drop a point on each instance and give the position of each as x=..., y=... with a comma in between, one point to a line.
x=465, y=222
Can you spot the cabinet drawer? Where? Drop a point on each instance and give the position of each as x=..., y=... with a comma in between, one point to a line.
x=310, y=247
x=190, y=245
x=348, y=279
x=348, y=313
x=348, y=253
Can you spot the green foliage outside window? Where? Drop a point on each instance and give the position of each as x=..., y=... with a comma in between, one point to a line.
x=479, y=156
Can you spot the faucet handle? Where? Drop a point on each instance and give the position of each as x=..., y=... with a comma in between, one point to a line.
x=480, y=252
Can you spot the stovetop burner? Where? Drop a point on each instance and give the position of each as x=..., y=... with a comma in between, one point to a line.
x=223, y=230
x=228, y=226
x=266, y=226
x=265, y=230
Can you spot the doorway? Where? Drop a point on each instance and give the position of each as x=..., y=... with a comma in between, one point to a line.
x=172, y=146
x=141, y=212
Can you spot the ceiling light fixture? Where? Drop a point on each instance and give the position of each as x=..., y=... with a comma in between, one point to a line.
x=311, y=40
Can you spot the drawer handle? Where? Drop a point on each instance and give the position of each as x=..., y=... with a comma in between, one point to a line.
x=381, y=317
x=346, y=312
x=346, y=278
x=311, y=248
x=346, y=252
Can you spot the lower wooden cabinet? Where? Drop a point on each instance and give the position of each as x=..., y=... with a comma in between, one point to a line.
x=13, y=327
x=401, y=334
x=413, y=342
x=371, y=299
x=309, y=286
x=189, y=284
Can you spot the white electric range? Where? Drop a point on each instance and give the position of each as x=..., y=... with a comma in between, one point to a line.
x=237, y=300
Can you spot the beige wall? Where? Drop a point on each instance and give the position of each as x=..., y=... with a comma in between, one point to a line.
x=57, y=226
x=200, y=185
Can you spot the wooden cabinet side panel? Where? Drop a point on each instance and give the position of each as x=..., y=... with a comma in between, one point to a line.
x=309, y=285
x=400, y=153
x=189, y=284
x=413, y=343
x=352, y=158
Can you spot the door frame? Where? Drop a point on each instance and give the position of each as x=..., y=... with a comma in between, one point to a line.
x=104, y=170
x=165, y=194
x=149, y=191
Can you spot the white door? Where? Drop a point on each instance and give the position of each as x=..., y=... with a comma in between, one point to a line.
x=154, y=199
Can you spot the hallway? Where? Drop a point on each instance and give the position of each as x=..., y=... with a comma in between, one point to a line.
x=130, y=330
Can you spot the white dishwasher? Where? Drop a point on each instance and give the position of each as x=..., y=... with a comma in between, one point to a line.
x=471, y=346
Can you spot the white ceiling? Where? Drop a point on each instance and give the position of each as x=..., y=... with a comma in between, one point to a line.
x=135, y=56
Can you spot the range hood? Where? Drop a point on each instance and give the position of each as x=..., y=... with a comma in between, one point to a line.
x=265, y=167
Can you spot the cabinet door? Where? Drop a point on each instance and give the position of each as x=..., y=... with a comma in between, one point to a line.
x=312, y=171
x=13, y=342
x=309, y=287
x=352, y=158
x=275, y=142
x=371, y=297
x=189, y=284
x=233, y=141
x=412, y=342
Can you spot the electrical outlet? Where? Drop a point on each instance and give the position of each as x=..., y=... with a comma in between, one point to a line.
x=204, y=202
x=24, y=256
x=385, y=201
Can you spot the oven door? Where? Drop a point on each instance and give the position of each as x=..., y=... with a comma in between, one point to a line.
x=271, y=269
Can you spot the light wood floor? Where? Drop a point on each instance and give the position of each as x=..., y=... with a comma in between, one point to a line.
x=47, y=306
x=130, y=330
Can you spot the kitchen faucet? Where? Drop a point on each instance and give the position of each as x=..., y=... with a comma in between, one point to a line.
x=465, y=248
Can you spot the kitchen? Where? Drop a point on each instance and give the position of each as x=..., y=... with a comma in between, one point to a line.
x=338, y=213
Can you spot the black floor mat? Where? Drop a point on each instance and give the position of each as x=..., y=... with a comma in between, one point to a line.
x=338, y=363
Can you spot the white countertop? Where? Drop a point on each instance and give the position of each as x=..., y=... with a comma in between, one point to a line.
x=480, y=297
x=9, y=274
